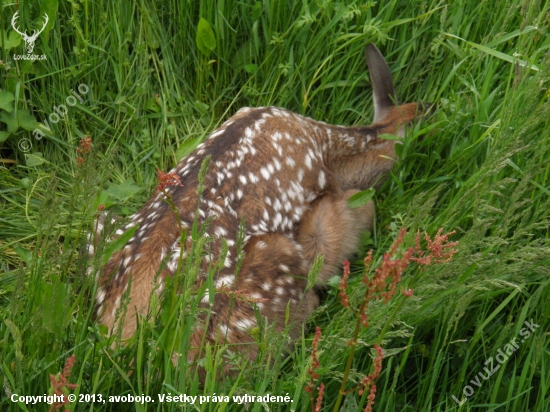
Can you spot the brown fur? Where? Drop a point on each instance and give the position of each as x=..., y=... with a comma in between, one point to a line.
x=288, y=178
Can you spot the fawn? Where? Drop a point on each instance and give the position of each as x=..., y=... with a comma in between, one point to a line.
x=289, y=179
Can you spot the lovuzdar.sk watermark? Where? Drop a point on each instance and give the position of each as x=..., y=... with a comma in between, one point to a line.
x=29, y=40
x=491, y=366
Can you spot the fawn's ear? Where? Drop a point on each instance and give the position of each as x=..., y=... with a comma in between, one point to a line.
x=382, y=83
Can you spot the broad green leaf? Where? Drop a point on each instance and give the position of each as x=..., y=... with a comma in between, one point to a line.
x=105, y=199
x=5, y=100
x=26, y=120
x=361, y=198
x=187, y=148
x=206, y=41
x=13, y=39
x=49, y=7
x=54, y=312
x=257, y=10
x=25, y=183
x=251, y=68
x=4, y=136
x=23, y=119
x=24, y=254
x=350, y=403
x=152, y=105
x=243, y=55
x=334, y=281
x=151, y=36
x=201, y=107
x=11, y=122
x=120, y=100
x=34, y=159
x=124, y=190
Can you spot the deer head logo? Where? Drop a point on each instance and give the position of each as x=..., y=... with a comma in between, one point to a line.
x=29, y=40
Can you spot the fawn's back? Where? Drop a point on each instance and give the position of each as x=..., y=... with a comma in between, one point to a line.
x=288, y=178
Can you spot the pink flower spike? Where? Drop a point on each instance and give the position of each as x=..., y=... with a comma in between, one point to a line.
x=167, y=179
x=60, y=384
x=344, y=299
x=408, y=292
x=312, y=372
x=440, y=250
x=319, y=402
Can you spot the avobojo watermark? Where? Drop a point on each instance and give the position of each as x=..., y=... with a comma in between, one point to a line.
x=61, y=111
x=502, y=356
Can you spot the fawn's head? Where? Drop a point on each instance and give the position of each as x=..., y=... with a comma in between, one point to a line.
x=389, y=115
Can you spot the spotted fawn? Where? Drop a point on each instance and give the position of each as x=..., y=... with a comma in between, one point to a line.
x=288, y=178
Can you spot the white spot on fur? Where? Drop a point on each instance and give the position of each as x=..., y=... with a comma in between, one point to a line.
x=216, y=133
x=220, y=231
x=265, y=173
x=253, y=178
x=307, y=161
x=322, y=179
x=244, y=324
x=277, y=221
x=226, y=280
x=288, y=207
x=100, y=296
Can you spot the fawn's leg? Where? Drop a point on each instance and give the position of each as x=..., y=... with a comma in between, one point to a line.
x=332, y=229
x=274, y=275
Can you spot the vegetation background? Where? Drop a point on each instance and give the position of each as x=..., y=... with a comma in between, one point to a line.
x=159, y=82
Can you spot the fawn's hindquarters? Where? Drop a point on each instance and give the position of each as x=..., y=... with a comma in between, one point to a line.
x=332, y=229
x=274, y=276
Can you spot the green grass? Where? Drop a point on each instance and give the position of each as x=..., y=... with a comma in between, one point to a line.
x=478, y=166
